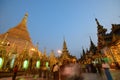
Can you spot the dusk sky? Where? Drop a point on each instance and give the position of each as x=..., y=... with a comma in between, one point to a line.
x=50, y=21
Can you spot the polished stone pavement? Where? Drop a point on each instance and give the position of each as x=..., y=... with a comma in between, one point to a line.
x=87, y=76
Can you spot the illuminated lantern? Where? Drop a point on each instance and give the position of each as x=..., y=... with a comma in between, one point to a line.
x=12, y=63
x=1, y=62
x=47, y=64
x=25, y=64
x=38, y=64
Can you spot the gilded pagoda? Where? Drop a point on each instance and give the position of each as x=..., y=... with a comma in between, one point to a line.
x=65, y=56
x=16, y=48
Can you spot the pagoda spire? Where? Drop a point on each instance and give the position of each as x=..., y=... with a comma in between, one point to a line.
x=83, y=52
x=91, y=42
x=65, y=53
x=97, y=22
x=101, y=32
x=23, y=24
x=24, y=20
x=64, y=45
x=93, y=48
x=44, y=53
x=20, y=31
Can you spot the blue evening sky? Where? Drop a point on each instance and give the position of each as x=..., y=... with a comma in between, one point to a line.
x=50, y=21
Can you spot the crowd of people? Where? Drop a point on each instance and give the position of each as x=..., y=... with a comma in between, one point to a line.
x=67, y=71
x=73, y=70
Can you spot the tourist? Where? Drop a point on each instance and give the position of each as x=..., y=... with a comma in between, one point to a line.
x=93, y=68
x=106, y=67
x=72, y=72
x=62, y=77
x=56, y=71
x=99, y=68
x=48, y=72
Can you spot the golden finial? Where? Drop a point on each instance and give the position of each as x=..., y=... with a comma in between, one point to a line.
x=26, y=14
x=24, y=21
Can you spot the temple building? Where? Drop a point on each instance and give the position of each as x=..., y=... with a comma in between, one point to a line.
x=90, y=54
x=108, y=46
x=65, y=56
x=109, y=43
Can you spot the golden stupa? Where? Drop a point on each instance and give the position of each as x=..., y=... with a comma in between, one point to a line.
x=18, y=35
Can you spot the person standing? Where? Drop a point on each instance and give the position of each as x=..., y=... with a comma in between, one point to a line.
x=15, y=70
x=72, y=71
x=99, y=68
x=93, y=68
x=56, y=72
x=106, y=67
x=48, y=72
